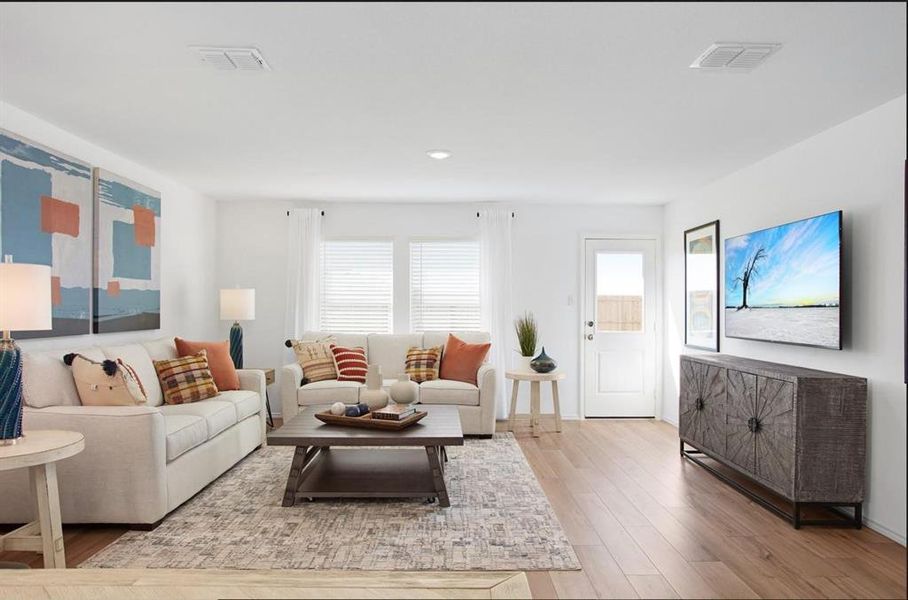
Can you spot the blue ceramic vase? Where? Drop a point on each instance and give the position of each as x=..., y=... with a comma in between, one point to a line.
x=543, y=363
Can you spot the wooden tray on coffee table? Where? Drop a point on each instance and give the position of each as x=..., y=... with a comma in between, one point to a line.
x=366, y=421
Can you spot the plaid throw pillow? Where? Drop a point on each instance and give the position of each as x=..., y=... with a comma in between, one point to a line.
x=186, y=379
x=316, y=360
x=422, y=363
x=351, y=363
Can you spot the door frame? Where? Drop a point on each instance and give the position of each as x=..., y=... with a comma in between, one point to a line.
x=660, y=350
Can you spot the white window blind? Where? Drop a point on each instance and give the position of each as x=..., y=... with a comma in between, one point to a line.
x=357, y=286
x=444, y=285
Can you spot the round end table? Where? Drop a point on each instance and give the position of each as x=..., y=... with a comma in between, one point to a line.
x=534, y=378
x=39, y=452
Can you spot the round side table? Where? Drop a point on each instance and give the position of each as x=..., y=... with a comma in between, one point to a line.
x=39, y=451
x=534, y=379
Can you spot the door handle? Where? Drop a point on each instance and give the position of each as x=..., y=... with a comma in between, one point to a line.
x=589, y=336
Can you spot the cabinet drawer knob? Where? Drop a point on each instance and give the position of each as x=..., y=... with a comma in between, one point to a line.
x=753, y=424
x=699, y=403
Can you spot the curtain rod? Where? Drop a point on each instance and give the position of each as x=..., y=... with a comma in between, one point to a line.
x=512, y=215
x=288, y=213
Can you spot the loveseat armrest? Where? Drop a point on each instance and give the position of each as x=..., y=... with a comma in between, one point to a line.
x=486, y=378
x=125, y=453
x=253, y=380
x=291, y=377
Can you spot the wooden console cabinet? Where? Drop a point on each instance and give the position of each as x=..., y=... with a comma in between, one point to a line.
x=799, y=432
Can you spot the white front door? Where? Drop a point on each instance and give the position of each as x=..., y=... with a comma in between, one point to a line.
x=619, y=328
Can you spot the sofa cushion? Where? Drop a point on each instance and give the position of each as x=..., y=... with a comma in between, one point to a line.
x=329, y=392
x=161, y=349
x=184, y=432
x=186, y=379
x=245, y=403
x=315, y=359
x=218, y=414
x=423, y=363
x=446, y=391
x=390, y=352
x=219, y=361
x=462, y=360
x=349, y=340
x=440, y=338
x=350, y=363
x=136, y=356
x=47, y=381
x=105, y=383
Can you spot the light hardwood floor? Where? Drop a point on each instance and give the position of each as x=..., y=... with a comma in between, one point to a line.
x=647, y=524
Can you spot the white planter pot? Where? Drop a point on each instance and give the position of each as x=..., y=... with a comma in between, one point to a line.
x=523, y=364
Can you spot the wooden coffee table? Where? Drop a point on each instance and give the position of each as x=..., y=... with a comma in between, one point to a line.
x=389, y=468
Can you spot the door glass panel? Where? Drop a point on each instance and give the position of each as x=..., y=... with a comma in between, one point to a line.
x=619, y=292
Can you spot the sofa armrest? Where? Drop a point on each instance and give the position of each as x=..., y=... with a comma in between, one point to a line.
x=291, y=376
x=487, y=380
x=253, y=380
x=125, y=452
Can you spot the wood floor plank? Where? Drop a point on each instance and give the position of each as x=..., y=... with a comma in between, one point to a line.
x=723, y=580
x=652, y=586
x=604, y=573
x=643, y=521
x=677, y=571
x=572, y=584
x=541, y=585
x=622, y=546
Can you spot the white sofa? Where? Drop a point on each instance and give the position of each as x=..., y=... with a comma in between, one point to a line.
x=476, y=403
x=139, y=462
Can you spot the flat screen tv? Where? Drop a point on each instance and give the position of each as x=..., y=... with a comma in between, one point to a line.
x=784, y=284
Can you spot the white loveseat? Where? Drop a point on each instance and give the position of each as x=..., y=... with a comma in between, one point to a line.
x=139, y=462
x=475, y=403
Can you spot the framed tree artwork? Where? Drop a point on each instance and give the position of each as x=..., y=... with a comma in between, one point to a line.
x=701, y=287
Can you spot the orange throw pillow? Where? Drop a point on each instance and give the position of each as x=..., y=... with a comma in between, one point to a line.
x=461, y=360
x=219, y=361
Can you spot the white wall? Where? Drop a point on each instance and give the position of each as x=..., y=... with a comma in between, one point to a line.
x=189, y=296
x=857, y=166
x=546, y=248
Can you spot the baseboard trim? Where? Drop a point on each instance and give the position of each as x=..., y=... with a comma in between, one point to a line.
x=884, y=531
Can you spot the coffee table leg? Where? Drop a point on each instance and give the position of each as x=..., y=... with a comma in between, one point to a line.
x=293, y=481
x=438, y=476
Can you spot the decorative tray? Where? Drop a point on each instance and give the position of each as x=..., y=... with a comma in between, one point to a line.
x=368, y=422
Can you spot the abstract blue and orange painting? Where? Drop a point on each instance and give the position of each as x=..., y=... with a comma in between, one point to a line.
x=127, y=281
x=46, y=219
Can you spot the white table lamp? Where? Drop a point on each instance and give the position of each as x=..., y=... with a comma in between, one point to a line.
x=237, y=304
x=25, y=305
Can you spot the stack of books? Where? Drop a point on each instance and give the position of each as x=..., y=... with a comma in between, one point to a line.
x=394, y=412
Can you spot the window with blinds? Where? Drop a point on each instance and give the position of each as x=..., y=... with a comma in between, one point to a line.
x=444, y=285
x=357, y=286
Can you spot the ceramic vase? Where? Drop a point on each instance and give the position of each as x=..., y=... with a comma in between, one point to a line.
x=404, y=391
x=373, y=396
x=543, y=363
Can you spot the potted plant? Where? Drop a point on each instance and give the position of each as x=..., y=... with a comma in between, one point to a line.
x=527, y=335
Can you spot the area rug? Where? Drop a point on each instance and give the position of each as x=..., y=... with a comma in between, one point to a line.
x=499, y=519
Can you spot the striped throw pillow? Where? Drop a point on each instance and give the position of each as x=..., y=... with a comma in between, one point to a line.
x=422, y=364
x=351, y=363
x=316, y=360
x=186, y=379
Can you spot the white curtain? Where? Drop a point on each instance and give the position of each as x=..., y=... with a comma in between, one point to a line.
x=304, y=248
x=495, y=292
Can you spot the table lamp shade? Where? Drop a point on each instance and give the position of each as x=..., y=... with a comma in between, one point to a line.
x=25, y=297
x=238, y=304
x=25, y=305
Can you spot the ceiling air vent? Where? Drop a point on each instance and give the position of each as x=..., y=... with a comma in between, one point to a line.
x=232, y=59
x=734, y=56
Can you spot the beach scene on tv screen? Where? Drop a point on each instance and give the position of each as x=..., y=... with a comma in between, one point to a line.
x=782, y=283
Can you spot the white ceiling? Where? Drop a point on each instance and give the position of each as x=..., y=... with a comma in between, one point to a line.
x=538, y=102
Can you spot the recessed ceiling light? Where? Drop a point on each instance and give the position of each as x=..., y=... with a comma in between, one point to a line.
x=438, y=154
